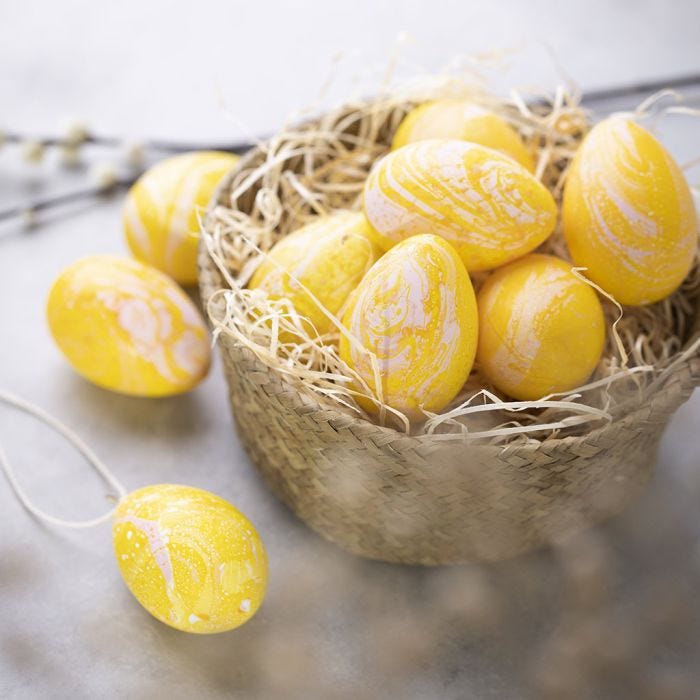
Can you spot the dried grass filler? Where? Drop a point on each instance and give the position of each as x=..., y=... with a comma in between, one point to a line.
x=486, y=479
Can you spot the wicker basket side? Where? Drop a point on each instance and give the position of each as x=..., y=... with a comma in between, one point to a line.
x=424, y=500
x=387, y=496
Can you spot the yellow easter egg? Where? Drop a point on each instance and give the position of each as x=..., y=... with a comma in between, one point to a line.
x=462, y=119
x=628, y=214
x=541, y=329
x=160, y=214
x=490, y=208
x=127, y=327
x=415, y=311
x=189, y=557
x=327, y=257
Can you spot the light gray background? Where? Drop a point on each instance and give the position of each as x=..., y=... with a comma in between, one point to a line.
x=332, y=626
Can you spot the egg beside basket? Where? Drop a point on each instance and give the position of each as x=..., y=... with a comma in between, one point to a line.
x=483, y=487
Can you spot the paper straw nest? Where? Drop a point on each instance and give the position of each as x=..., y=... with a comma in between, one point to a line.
x=317, y=168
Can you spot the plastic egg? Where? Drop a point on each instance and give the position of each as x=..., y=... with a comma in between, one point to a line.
x=415, y=311
x=189, y=557
x=328, y=257
x=541, y=328
x=490, y=208
x=628, y=213
x=161, y=210
x=127, y=327
x=462, y=119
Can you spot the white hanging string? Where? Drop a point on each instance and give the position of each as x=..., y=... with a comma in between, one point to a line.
x=79, y=445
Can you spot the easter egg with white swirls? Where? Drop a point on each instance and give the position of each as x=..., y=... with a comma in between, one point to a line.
x=490, y=208
x=413, y=321
x=318, y=266
x=127, y=327
x=464, y=120
x=541, y=328
x=162, y=208
x=189, y=557
x=628, y=214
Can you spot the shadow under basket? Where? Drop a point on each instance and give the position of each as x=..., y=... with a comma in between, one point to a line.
x=382, y=494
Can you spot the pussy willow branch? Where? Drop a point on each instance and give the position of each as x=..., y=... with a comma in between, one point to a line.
x=115, y=142
x=38, y=205
x=590, y=97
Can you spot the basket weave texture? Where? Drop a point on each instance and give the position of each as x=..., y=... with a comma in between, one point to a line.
x=425, y=500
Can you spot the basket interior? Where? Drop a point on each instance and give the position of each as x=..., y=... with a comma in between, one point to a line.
x=269, y=190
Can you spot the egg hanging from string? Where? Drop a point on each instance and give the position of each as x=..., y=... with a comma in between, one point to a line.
x=189, y=557
x=161, y=210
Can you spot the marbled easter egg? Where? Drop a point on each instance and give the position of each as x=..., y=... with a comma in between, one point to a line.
x=160, y=214
x=326, y=258
x=490, y=208
x=462, y=119
x=190, y=558
x=127, y=327
x=414, y=311
x=628, y=214
x=541, y=329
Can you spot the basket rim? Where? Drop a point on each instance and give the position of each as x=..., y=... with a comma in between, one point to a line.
x=683, y=378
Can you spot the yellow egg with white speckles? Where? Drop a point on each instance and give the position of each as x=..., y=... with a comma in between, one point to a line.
x=462, y=119
x=490, y=208
x=541, y=328
x=327, y=257
x=189, y=557
x=415, y=311
x=161, y=210
x=127, y=327
x=628, y=214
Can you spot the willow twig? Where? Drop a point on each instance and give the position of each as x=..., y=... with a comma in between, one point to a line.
x=29, y=210
x=240, y=147
x=640, y=88
x=164, y=146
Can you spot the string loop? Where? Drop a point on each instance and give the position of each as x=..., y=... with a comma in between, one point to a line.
x=79, y=445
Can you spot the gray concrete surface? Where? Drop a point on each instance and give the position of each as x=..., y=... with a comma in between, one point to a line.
x=332, y=625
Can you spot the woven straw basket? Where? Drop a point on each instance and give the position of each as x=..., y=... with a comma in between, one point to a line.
x=423, y=500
